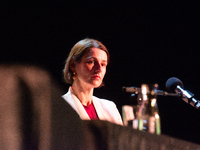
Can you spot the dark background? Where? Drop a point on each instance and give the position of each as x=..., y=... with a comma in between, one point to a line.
x=148, y=43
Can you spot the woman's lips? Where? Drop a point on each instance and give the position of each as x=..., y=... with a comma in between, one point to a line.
x=96, y=77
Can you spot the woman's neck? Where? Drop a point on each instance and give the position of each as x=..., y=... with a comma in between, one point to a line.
x=82, y=93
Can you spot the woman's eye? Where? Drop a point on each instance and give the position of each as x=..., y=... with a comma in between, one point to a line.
x=90, y=62
x=103, y=65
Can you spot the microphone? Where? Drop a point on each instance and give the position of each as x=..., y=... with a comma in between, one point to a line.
x=176, y=85
x=136, y=90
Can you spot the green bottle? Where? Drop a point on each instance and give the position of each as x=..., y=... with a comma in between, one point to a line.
x=147, y=112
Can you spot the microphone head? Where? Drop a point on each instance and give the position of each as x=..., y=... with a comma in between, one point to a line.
x=172, y=83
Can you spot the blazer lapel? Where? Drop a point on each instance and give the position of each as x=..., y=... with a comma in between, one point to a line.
x=82, y=113
x=71, y=98
x=101, y=113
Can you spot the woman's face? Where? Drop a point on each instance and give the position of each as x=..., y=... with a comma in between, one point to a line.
x=92, y=68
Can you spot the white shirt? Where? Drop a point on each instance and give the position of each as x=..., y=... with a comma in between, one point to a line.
x=106, y=110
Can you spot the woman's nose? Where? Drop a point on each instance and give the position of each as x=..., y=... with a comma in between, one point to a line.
x=98, y=67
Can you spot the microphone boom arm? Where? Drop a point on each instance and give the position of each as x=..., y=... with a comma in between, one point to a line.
x=136, y=90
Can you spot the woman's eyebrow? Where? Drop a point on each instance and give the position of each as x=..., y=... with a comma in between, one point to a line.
x=105, y=61
x=91, y=57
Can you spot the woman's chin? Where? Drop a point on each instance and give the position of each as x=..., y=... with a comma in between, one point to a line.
x=96, y=85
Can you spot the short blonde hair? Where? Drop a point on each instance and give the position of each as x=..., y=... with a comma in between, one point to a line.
x=77, y=53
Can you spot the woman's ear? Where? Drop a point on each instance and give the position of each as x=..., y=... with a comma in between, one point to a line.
x=72, y=65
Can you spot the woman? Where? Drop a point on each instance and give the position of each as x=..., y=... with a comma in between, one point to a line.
x=84, y=70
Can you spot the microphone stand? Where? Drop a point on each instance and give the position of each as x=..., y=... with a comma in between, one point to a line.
x=137, y=90
x=188, y=97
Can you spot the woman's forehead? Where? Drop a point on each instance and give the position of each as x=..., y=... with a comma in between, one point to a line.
x=96, y=52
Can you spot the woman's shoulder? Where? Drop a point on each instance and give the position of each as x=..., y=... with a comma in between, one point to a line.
x=66, y=94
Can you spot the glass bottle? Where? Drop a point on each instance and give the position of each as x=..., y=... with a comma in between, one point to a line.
x=147, y=112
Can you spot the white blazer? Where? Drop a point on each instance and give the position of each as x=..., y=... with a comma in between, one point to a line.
x=106, y=110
